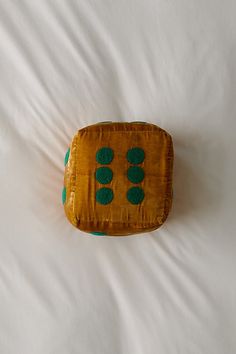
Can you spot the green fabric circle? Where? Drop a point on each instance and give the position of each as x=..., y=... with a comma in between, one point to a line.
x=63, y=196
x=97, y=233
x=104, y=175
x=66, y=157
x=104, y=195
x=135, y=195
x=135, y=155
x=104, y=155
x=135, y=174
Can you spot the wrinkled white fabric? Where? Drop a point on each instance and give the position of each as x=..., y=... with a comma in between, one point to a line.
x=67, y=64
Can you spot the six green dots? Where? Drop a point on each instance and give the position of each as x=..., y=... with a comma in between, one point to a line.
x=135, y=174
x=104, y=175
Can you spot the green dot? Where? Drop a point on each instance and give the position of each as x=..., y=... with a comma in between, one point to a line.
x=63, y=195
x=135, y=195
x=135, y=155
x=135, y=174
x=97, y=233
x=104, y=175
x=104, y=195
x=66, y=157
x=104, y=155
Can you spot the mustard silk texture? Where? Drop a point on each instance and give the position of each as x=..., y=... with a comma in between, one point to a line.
x=119, y=217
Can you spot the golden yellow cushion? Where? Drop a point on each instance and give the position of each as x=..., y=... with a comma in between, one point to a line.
x=118, y=178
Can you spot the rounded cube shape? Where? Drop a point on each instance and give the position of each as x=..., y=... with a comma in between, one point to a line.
x=118, y=178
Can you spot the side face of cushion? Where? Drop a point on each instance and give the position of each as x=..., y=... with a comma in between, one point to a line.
x=118, y=178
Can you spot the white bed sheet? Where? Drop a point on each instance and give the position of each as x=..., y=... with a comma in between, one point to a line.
x=67, y=64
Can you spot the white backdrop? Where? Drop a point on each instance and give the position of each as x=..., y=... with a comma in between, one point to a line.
x=67, y=64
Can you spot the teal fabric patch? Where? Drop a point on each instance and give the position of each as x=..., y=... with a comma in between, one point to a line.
x=135, y=155
x=135, y=174
x=135, y=195
x=104, y=155
x=63, y=195
x=104, y=175
x=96, y=233
x=67, y=155
x=104, y=195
